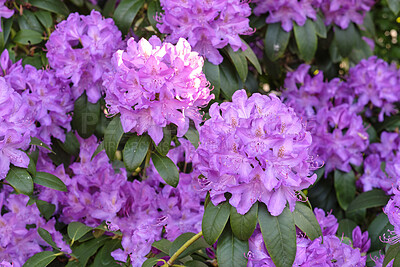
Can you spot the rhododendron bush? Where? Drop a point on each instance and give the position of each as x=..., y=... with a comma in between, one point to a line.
x=199, y=133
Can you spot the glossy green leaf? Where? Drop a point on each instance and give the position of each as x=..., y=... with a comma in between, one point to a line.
x=76, y=230
x=55, y=6
x=276, y=41
x=112, y=137
x=214, y=221
x=28, y=21
x=345, y=187
x=320, y=27
x=166, y=168
x=86, y=116
x=193, y=136
x=165, y=144
x=20, y=180
x=251, y=56
x=306, y=39
x=103, y=256
x=135, y=151
x=243, y=225
x=181, y=240
x=305, y=219
x=378, y=227
x=195, y=263
x=109, y=7
x=47, y=237
x=28, y=37
x=345, y=228
x=151, y=262
x=163, y=245
x=369, y=199
x=279, y=234
x=32, y=166
x=231, y=250
x=346, y=39
x=393, y=252
x=152, y=9
x=45, y=208
x=49, y=180
x=394, y=6
x=229, y=80
x=40, y=259
x=239, y=61
x=213, y=76
x=71, y=144
x=126, y=12
x=87, y=249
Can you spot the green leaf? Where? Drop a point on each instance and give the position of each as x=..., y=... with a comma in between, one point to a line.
x=50, y=181
x=345, y=228
x=182, y=239
x=231, y=250
x=193, y=136
x=306, y=39
x=394, y=6
x=346, y=39
x=126, y=13
x=103, y=256
x=369, y=199
x=166, y=168
x=40, y=259
x=305, y=219
x=112, y=137
x=71, y=144
x=20, y=180
x=279, y=234
x=393, y=252
x=47, y=237
x=229, y=80
x=239, y=61
x=55, y=6
x=32, y=166
x=45, y=208
x=87, y=249
x=214, y=221
x=135, y=151
x=151, y=262
x=251, y=56
x=195, y=263
x=320, y=27
x=379, y=226
x=165, y=144
x=276, y=41
x=28, y=37
x=99, y=148
x=213, y=76
x=109, y=7
x=76, y=230
x=163, y=245
x=345, y=186
x=28, y=21
x=86, y=116
x=152, y=9
x=243, y=225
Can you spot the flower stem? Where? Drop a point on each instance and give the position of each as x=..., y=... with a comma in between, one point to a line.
x=183, y=248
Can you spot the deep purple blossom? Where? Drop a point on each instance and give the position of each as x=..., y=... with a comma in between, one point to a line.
x=256, y=149
x=153, y=84
x=207, y=25
x=80, y=50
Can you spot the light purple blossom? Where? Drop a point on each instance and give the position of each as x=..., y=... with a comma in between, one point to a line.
x=4, y=12
x=207, y=25
x=80, y=50
x=256, y=149
x=153, y=84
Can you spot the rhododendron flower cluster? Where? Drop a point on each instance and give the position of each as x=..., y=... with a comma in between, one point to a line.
x=374, y=83
x=256, y=149
x=207, y=25
x=18, y=242
x=153, y=84
x=392, y=210
x=327, y=250
x=80, y=50
x=339, y=137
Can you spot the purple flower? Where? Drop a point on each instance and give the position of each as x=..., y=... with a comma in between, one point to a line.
x=392, y=210
x=4, y=12
x=207, y=25
x=256, y=149
x=80, y=50
x=342, y=12
x=361, y=240
x=153, y=84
